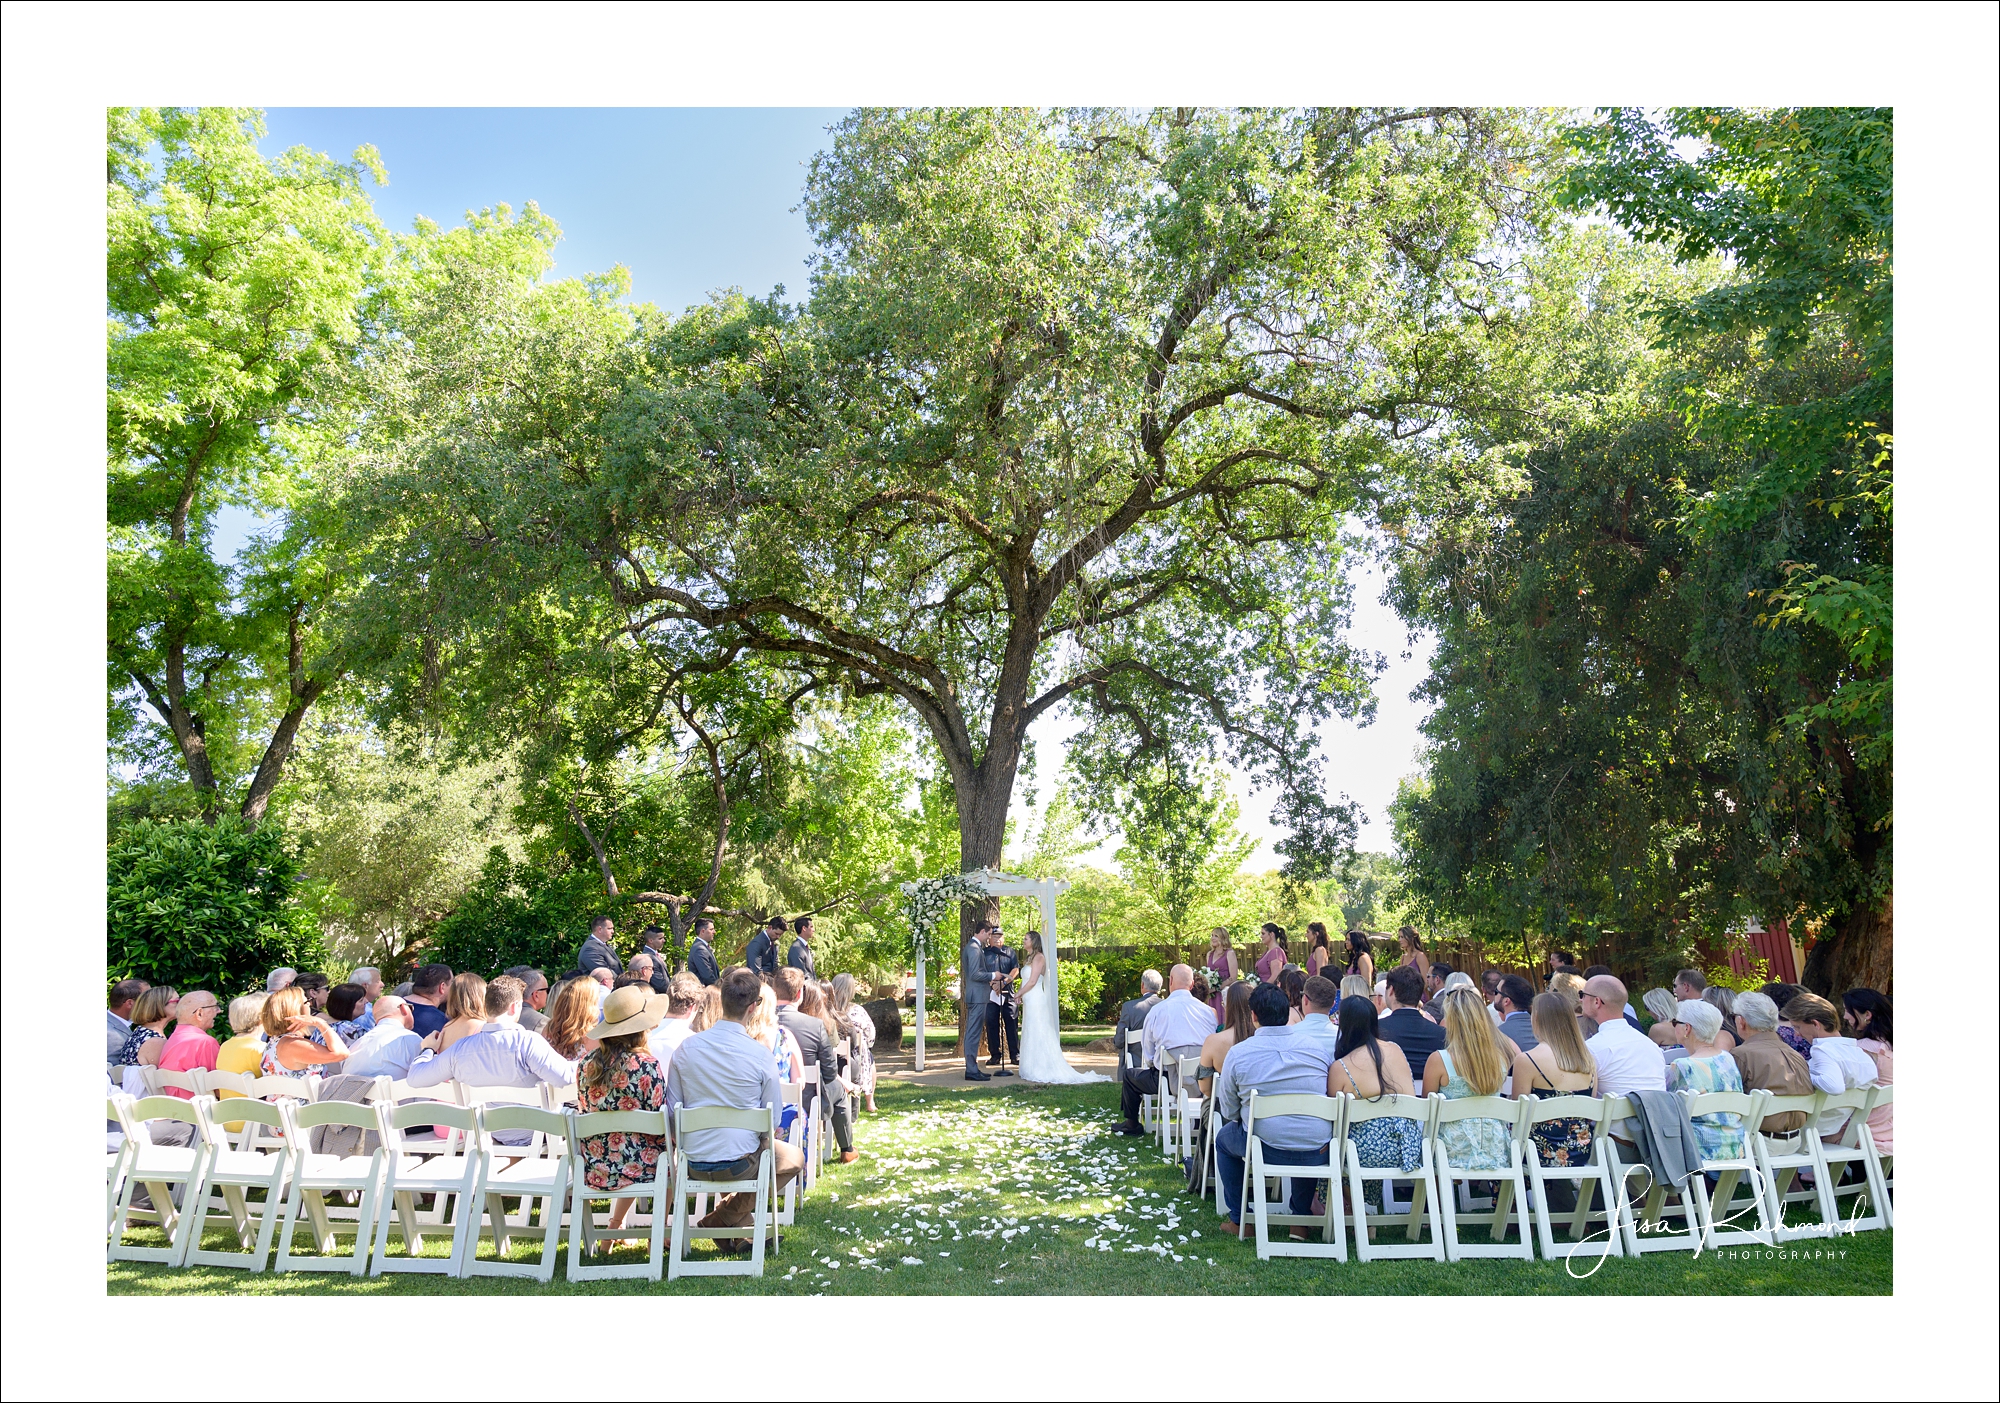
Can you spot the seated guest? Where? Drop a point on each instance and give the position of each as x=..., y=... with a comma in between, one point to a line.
x=724, y=1066
x=1404, y=1024
x=1782, y=995
x=191, y=1046
x=344, y=1009
x=1591, y=972
x=1627, y=1061
x=638, y=970
x=532, y=1007
x=1316, y=1005
x=243, y=1052
x=1175, y=1027
x=622, y=1075
x=1366, y=1066
x=1688, y=984
x=1559, y=1064
x=151, y=1013
x=1277, y=1062
x=1434, y=982
x=279, y=978
x=1836, y=1063
x=1353, y=986
x=1474, y=1061
x=1872, y=1021
x=498, y=1052
x=370, y=980
x=1766, y=1064
x=1662, y=1005
x=816, y=1046
x=296, y=1040
x=1725, y=1003
x=572, y=1015
x=813, y=1004
x=761, y=1023
x=1292, y=980
x=1202, y=993
x=464, y=1011
x=1380, y=997
x=1707, y=1068
x=1570, y=986
x=118, y=1015
x=1517, y=998
x=683, y=993
x=316, y=988
x=1132, y=1019
x=1237, y=1025
x=1489, y=989
x=427, y=997
x=389, y=1047
x=606, y=979
x=860, y=1032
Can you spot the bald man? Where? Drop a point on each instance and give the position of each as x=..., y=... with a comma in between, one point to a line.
x=1175, y=1028
x=388, y=1048
x=1627, y=1060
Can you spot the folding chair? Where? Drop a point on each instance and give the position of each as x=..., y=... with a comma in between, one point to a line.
x=815, y=1147
x=1779, y=1156
x=1855, y=1144
x=115, y=1164
x=503, y=1170
x=790, y=1094
x=1422, y=1179
x=1512, y=1179
x=1332, y=1223
x=159, y=1168
x=1128, y=1060
x=256, y=1134
x=1592, y=1176
x=1750, y=1107
x=762, y=1121
x=1882, y=1183
x=451, y=1172
x=158, y=1080
x=584, y=1232
x=315, y=1175
x=1649, y=1233
x=232, y=1172
x=1191, y=1106
x=1211, y=1127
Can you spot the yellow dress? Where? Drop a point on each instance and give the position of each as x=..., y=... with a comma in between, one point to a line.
x=242, y=1053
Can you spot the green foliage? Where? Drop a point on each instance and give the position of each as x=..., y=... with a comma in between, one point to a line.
x=209, y=907
x=1182, y=845
x=1079, y=991
x=238, y=287
x=518, y=913
x=1757, y=975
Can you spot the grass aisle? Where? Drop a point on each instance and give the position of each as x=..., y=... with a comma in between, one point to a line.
x=1018, y=1190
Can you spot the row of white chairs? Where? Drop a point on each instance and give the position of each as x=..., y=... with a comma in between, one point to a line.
x=1769, y=1169
x=466, y=1165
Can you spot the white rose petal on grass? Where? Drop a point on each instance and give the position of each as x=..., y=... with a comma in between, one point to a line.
x=913, y=1261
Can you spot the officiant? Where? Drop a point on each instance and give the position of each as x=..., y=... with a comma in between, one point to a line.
x=1003, y=1011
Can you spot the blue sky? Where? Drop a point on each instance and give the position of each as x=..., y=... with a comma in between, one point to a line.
x=695, y=200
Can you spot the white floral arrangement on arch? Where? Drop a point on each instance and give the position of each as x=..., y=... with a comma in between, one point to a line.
x=927, y=901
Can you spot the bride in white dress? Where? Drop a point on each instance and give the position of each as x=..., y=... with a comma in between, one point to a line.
x=1041, y=1048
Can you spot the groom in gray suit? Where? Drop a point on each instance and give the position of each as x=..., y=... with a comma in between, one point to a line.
x=975, y=986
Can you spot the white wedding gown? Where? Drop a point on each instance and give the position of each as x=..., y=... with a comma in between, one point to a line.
x=1041, y=1048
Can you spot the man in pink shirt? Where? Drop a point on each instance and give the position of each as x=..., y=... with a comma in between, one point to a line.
x=190, y=1046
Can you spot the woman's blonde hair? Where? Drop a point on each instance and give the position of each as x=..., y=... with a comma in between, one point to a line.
x=281, y=1008
x=1570, y=986
x=153, y=1005
x=1554, y=1022
x=707, y=1010
x=467, y=998
x=760, y=1020
x=246, y=1012
x=1471, y=1043
x=1356, y=984
x=572, y=1014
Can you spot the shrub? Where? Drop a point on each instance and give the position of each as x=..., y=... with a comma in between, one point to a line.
x=200, y=907
x=1079, y=991
x=520, y=914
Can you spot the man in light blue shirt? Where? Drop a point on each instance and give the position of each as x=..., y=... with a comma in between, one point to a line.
x=388, y=1048
x=1316, y=1007
x=725, y=1066
x=503, y=1053
x=1178, y=1024
x=1278, y=1061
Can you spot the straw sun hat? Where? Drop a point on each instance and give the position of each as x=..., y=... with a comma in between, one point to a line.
x=633, y=1009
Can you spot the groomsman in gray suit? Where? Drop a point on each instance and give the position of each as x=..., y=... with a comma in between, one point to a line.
x=975, y=989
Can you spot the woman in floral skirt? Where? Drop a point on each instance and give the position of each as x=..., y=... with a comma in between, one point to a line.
x=622, y=1075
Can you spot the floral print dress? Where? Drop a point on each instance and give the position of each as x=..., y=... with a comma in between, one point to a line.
x=1718, y=1134
x=128, y=1055
x=1472, y=1144
x=635, y=1083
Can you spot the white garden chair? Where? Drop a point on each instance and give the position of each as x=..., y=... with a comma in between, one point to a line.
x=1780, y=1156
x=584, y=1232
x=1191, y=1105
x=1128, y=1057
x=1512, y=1179
x=1259, y=1212
x=815, y=1145
x=1881, y=1180
x=256, y=1134
x=505, y=1171
x=161, y=1168
x=315, y=1175
x=451, y=1172
x=159, y=1080
x=1650, y=1230
x=1730, y=1171
x=789, y=1094
x=1855, y=1144
x=762, y=1122
x=1422, y=1181
x=115, y=1164
x=232, y=1173
x=1593, y=1178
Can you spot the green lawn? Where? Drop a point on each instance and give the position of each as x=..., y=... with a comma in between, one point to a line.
x=1022, y=1191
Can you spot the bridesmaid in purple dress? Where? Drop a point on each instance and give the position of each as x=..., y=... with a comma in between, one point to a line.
x=1275, y=954
x=1222, y=968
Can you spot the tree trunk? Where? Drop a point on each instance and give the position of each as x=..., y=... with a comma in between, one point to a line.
x=1859, y=954
x=982, y=839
